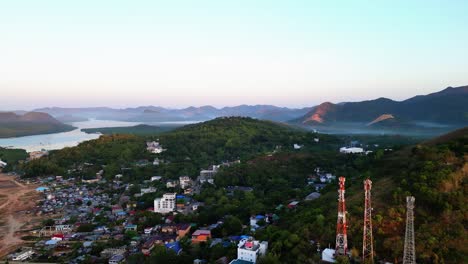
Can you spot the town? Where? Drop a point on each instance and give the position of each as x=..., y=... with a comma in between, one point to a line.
x=81, y=214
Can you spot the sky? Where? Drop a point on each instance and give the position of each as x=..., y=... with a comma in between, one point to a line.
x=224, y=53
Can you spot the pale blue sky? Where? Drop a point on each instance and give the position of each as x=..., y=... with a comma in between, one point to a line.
x=180, y=53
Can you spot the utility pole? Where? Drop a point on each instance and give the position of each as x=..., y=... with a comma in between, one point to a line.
x=341, y=248
x=409, y=255
x=367, y=244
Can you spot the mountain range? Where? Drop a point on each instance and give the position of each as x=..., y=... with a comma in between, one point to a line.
x=160, y=114
x=447, y=107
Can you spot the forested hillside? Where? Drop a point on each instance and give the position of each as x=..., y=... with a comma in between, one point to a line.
x=187, y=149
x=436, y=174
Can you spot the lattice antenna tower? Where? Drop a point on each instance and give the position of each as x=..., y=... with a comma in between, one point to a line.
x=409, y=254
x=341, y=224
x=367, y=243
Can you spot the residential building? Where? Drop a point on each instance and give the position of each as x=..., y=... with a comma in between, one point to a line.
x=148, y=190
x=172, y=184
x=249, y=250
x=131, y=227
x=351, y=150
x=166, y=204
x=328, y=255
x=201, y=236
x=156, y=178
x=2, y=164
x=154, y=147
x=117, y=259
x=185, y=182
x=23, y=255
x=312, y=196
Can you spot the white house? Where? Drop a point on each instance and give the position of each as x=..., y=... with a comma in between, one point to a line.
x=3, y=164
x=166, y=204
x=23, y=255
x=328, y=255
x=154, y=147
x=185, y=182
x=250, y=250
x=297, y=146
x=156, y=178
x=172, y=184
x=351, y=150
x=148, y=190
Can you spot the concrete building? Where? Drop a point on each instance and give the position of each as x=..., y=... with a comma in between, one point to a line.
x=201, y=236
x=249, y=250
x=328, y=255
x=351, y=150
x=154, y=147
x=166, y=204
x=117, y=259
x=185, y=182
x=23, y=255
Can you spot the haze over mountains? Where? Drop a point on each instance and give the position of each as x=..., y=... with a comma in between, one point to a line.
x=161, y=114
x=444, y=109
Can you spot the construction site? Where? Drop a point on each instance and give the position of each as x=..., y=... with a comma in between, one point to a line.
x=16, y=201
x=341, y=249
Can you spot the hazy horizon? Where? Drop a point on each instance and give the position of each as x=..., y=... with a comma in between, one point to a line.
x=183, y=53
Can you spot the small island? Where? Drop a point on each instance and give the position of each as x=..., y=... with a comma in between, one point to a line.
x=133, y=130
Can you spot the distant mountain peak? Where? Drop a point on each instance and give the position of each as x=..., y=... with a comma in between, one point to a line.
x=320, y=113
x=381, y=118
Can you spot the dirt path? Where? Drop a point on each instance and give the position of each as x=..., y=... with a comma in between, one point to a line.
x=15, y=198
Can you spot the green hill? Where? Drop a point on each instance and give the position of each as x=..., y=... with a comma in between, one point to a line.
x=188, y=148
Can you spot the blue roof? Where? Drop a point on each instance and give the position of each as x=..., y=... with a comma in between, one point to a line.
x=51, y=242
x=180, y=196
x=41, y=189
x=260, y=217
x=174, y=246
x=235, y=238
x=239, y=261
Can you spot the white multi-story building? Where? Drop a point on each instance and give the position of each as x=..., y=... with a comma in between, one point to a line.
x=249, y=250
x=166, y=204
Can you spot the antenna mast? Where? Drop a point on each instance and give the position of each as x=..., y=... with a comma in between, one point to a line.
x=341, y=224
x=367, y=245
x=409, y=255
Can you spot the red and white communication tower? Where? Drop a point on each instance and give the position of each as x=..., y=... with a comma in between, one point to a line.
x=367, y=243
x=341, y=224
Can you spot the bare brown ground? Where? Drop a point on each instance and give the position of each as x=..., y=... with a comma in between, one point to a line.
x=15, y=199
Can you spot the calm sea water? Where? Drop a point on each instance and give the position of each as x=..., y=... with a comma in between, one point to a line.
x=66, y=139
